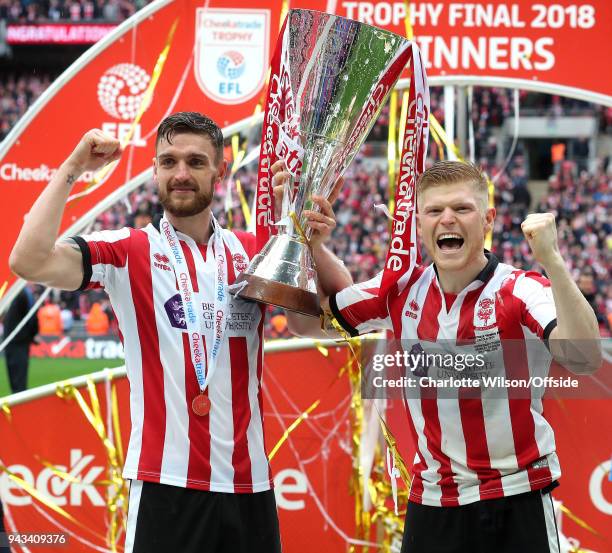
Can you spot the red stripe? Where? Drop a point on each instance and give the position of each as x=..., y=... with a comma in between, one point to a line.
x=154, y=420
x=110, y=253
x=472, y=414
x=94, y=286
x=365, y=310
x=508, y=310
x=531, y=323
x=248, y=241
x=465, y=330
x=538, y=278
x=397, y=303
x=198, y=471
x=428, y=329
x=416, y=489
x=241, y=410
x=231, y=275
x=428, y=326
x=203, y=250
x=259, y=378
x=190, y=265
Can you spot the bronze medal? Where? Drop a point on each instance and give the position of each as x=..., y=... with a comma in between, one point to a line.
x=200, y=405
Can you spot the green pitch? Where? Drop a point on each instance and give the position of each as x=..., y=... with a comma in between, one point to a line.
x=44, y=371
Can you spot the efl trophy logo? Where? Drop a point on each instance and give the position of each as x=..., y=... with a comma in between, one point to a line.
x=121, y=92
x=231, y=65
x=232, y=48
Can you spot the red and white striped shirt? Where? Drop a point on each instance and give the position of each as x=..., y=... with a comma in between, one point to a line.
x=223, y=451
x=476, y=447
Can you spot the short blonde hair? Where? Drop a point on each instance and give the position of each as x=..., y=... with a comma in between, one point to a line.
x=455, y=172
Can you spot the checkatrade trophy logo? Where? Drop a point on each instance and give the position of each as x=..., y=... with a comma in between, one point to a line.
x=232, y=48
x=121, y=91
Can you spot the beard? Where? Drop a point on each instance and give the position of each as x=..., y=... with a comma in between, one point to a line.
x=185, y=207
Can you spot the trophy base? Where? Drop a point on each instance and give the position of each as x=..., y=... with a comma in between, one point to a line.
x=279, y=294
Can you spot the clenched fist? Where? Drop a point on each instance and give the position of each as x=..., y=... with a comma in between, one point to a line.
x=540, y=231
x=95, y=150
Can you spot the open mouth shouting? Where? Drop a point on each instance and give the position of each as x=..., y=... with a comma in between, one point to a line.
x=450, y=242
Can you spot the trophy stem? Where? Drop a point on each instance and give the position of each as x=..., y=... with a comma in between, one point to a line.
x=279, y=294
x=282, y=274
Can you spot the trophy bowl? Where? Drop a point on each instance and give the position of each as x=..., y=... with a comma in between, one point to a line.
x=338, y=75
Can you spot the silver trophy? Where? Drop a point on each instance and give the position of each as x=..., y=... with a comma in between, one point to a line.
x=340, y=74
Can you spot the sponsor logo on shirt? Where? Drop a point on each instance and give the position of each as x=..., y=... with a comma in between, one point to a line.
x=176, y=314
x=414, y=306
x=240, y=263
x=161, y=261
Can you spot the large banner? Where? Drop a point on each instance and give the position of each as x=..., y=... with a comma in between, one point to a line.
x=51, y=446
x=67, y=464
x=217, y=63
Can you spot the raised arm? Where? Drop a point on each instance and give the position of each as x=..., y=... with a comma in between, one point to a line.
x=575, y=341
x=37, y=256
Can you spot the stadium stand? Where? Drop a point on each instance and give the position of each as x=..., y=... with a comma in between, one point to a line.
x=579, y=197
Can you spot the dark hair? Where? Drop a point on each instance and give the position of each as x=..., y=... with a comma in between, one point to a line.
x=194, y=123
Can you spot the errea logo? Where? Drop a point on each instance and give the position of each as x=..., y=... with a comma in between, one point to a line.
x=161, y=262
x=414, y=308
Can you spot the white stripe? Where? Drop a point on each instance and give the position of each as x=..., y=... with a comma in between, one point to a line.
x=133, y=507
x=453, y=440
x=123, y=303
x=103, y=273
x=551, y=526
x=108, y=236
x=496, y=411
x=259, y=461
x=221, y=424
x=537, y=298
x=175, y=457
x=260, y=475
x=432, y=493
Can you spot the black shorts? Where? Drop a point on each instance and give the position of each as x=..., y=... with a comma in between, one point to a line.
x=171, y=519
x=523, y=523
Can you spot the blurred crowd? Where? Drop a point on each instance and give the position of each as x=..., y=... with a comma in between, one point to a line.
x=42, y=11
x=17, y=93
x=579, y=198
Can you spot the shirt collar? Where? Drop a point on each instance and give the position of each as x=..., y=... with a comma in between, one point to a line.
x=485, y=275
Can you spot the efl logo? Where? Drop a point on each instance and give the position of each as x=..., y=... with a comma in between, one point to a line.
x=231, y=53
x=121, y=91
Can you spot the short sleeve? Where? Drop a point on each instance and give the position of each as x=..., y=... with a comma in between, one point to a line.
x=537, y=305
x=248, y=241
x=103, y=252
x=360, y=309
